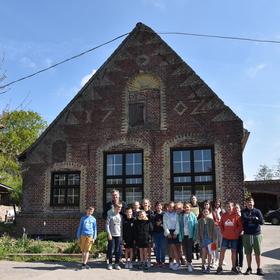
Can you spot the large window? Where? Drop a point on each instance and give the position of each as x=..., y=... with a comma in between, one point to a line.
x=65, y=189
x=124, y=172
x=192, y=172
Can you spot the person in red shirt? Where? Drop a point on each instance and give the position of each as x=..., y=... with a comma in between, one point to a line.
x=231, y=226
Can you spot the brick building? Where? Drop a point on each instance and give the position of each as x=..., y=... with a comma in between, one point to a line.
x=266, y=194
x=145, y=124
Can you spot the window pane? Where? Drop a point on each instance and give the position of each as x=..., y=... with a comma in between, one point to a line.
x=181, y=162
x=134, y=164
x=73, y=179
x=59, y=179
x=202, y=161
x=203, y=178
x=109, y=196
x=114, y=181
x=133, y=194
x=204, y=192
x=130, y=181
x=114, y=164
x=58, y=196
x=182, y=179
x=182, y=193
x=73, y=196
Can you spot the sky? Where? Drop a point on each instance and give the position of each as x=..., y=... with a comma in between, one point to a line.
x=35, y=35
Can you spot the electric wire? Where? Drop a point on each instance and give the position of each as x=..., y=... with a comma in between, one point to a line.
x=164, y=33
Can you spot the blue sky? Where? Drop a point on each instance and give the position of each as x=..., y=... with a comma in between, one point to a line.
x=244, y=74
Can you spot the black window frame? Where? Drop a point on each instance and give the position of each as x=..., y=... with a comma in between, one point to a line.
x=65, y=187
x=124, y=185
x=192, y=174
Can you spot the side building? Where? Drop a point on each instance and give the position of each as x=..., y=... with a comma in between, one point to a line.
x=145, y=124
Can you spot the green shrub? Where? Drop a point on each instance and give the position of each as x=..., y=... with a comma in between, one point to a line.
x=3, y=253
x=101, y=242
x=36, y=249
x=74, y=248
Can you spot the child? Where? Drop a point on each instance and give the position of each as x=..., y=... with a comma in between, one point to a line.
x=86, y=235
x=181, y=249
x=159, y=238
x=171, y=230
x=136, y=208
x=196, y=209
x=128, y=240
x=231, y=226
x=219, y=212
x=189, y=232
x=239, y=252
x=146, y=206
x=206, y=233
x=114, y=230
x=142, y=230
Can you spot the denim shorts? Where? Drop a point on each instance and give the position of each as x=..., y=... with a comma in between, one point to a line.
x=205, y=242
x=232, y=242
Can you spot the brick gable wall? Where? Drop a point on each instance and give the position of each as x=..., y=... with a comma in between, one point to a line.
x=182, y=111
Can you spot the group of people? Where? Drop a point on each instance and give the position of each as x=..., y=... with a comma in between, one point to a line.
x=177, y=230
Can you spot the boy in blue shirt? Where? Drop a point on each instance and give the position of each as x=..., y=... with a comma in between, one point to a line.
x=87, y=234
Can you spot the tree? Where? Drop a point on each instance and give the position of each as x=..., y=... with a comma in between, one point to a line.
x=20, y=130
x=264, y=173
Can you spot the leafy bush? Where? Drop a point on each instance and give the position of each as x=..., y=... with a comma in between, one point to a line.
x=101, y=242
x=36, y=249
x=3, y=253
x=74, y=248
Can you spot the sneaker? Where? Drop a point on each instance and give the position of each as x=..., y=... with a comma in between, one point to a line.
x=149, y=264
x=224, y=263
x=190, y=268
x=141, y=266
x=171, y=265
x=117, y=266
x=146, y=266
x=203, y=268
x=219, y=270
x=260, y=272
x=234, y=270
x=82, y=267
x=109, y=267
x=176, y=266
x=213, y=265
x=208, y=269
x=248, y=271
x=126, y=265
x=157, y=264
x=163, y=265
x=130, y=265
x=239, y=269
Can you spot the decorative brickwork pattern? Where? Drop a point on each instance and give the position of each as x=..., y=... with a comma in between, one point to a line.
x=181, y=111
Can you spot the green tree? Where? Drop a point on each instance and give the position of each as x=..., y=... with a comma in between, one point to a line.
x=264, y=173
x=20, y=130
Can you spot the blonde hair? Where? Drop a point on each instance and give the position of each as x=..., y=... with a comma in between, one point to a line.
x=145, y=199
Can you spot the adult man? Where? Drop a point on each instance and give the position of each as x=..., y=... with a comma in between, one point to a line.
x=109, y=206
x=252, y=220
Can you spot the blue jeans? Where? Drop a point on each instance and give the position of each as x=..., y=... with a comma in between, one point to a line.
x=160, y=243
x=114, y=246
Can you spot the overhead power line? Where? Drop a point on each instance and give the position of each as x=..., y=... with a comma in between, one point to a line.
x=165, y=33
x=222, y=37
x=68, y=59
